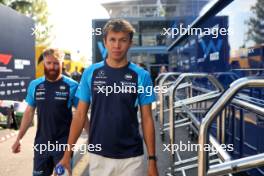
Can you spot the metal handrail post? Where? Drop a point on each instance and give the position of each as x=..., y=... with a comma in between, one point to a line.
x=174, y=87
x=215, y=110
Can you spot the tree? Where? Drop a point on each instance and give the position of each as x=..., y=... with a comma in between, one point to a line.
x=38, y=11
x=256, y=23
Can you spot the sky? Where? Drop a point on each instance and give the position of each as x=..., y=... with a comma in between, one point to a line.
x=72, y=24
x=237, y=18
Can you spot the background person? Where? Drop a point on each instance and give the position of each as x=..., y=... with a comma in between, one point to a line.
x=76, y=75
x=53, y=96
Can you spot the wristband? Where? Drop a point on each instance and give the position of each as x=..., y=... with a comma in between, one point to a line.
x=153, y=157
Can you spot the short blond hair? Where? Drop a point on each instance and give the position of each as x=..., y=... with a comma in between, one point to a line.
x=58, y=54
x=119, y=25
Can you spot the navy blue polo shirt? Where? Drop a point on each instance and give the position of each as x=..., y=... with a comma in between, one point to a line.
x=114, y=95
x=54, y=101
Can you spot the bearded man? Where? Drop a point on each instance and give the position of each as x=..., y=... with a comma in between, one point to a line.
x=53, y=95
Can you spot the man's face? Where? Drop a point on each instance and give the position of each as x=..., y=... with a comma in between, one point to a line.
x=117, y=44
x=52, y=68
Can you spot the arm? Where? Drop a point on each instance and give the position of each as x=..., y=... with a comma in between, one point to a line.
x=149, y=137
x=25, y=123
x=78, y=122
x=86, y=123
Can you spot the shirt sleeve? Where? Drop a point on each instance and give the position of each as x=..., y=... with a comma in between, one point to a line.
x=83, y=92
x=30, y=98
x=147, y=95
x=74, y=99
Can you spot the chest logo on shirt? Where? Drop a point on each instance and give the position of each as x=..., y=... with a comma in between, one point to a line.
x=61, y=95
x=101, y=75
x=40, y=95
x=62, y=87
x=128, y=76
x=41, y=87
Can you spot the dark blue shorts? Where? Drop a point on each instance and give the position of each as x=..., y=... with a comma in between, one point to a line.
x=44, y=163
x=46, y=160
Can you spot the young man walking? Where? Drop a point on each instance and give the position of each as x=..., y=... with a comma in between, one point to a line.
x=53, y=96
x=114, y=88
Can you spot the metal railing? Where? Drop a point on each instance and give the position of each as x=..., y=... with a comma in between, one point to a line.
x=192, y=110
x=162, y=80
x=238, y=165
x=184, y=111
x=207, y=95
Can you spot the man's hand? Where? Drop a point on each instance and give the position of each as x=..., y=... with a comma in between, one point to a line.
x=66, y=163
x=152, y=168
x=25, y=124
x=16, y=147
